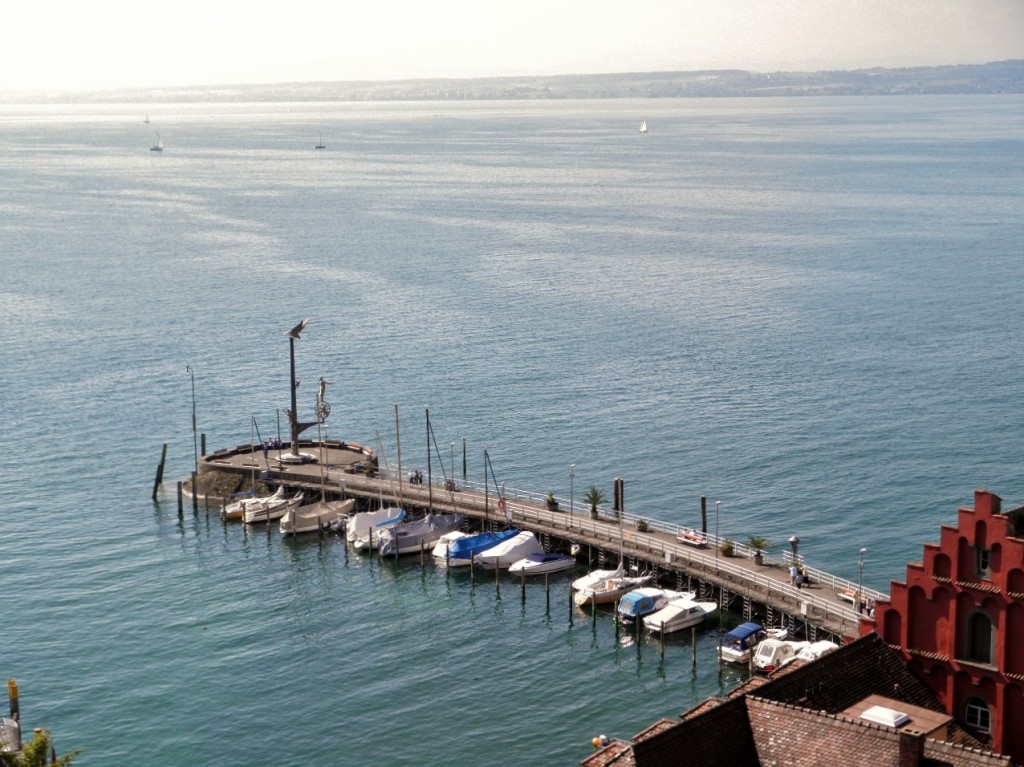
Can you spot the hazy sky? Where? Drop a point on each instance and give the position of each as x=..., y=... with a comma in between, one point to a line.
x=99, y=44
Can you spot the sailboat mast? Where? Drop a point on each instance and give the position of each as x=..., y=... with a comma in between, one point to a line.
x=430, y=481
x=398, y=439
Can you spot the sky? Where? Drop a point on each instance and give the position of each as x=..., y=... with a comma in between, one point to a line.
x=85, y=45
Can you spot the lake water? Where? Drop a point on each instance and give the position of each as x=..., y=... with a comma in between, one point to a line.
x=806, y=309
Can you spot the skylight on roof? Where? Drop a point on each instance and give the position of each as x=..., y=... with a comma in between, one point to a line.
x=885, y=716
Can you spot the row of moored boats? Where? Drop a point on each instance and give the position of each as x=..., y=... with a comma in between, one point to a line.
x=389, y=532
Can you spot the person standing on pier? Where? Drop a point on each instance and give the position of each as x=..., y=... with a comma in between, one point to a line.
x=794, y=571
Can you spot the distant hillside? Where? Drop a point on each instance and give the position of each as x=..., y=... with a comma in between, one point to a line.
x=994, y=77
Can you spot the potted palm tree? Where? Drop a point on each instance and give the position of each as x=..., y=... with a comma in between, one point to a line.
x=593, y=496
x=552, y=502
x=759, y=544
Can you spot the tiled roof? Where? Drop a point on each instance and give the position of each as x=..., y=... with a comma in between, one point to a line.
x=720, y=731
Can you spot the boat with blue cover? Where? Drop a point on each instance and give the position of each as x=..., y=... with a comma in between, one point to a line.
x=461, y=551
x=635, y=604
x=738, y=645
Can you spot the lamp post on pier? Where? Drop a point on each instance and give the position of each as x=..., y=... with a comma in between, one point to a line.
x=195, y=449
x=717, y=539
x=860, y=582
x=572, y=477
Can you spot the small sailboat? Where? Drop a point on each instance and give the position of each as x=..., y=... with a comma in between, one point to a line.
x=643, y=126
x=158, y=146
x=320, y=144
x=413, y=537
x=314, y=517
x=147, y=119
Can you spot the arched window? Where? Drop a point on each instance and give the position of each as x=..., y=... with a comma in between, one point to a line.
x=977, y=716
x=979, y=639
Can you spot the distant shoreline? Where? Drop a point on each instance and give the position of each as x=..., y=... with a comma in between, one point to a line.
x=1002, y=77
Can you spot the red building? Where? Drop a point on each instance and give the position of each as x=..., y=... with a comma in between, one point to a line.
x=958, y=622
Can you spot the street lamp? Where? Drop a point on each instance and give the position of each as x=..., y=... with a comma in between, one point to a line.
x=195, y=449
x=717, y=539
x=794, y=542
x=860, y=582
x=572, y=476
x=453, y=461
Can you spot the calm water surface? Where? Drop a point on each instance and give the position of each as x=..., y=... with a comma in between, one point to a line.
x=806, y=309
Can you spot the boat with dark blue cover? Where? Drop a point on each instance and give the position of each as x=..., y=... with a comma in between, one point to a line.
x=462, y=550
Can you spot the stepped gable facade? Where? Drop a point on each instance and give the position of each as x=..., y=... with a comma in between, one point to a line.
x=957, y=621
x=809, y=714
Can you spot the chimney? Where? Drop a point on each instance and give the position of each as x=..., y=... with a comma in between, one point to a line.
x=911, y=749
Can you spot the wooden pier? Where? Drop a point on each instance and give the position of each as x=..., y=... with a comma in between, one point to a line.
x=760, y=588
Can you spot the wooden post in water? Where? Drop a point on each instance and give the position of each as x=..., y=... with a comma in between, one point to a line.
x=522, y=584
x=202, y=442
x=497, y=584
x=693, y=644
x=160, y=471
x=181, y=505
x=195, y=495
x=12, y=694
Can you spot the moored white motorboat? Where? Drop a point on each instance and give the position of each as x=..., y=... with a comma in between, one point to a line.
x=271, y=511
x=440, y=550
x=679, y=614
x=363, y=529
x=635, y=604
x=461, y=551
x=738, y=645
x=414, y=537
x=772, y=653
x=596, y=576
x=812, y=651
x=314, y=517
x=503, y=554
x=539, y=564
x=609, y=590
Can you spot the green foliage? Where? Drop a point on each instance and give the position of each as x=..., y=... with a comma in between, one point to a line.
x=727, y=548
x=759, y=543
x=39, y=753
x=551, y=499
x=594, y=497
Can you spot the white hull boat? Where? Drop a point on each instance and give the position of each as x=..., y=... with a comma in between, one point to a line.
x=460, y=551
x=414, y=537
x=314, y=517
x=608, y=591
x=738, y=645
x=270, y=512
x=635, y=604
x=236, y=510
x=539, y=564
x=679, y=614
x=507, y=552
x=440, y=550
x=594, y=577
x=363, y=529
x=774, y=653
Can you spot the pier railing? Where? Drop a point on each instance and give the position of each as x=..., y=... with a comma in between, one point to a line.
x=650, y=539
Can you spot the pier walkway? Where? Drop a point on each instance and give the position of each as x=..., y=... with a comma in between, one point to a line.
x=758, y=585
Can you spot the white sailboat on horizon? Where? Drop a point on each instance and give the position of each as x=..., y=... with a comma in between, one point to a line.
x=643, y=126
